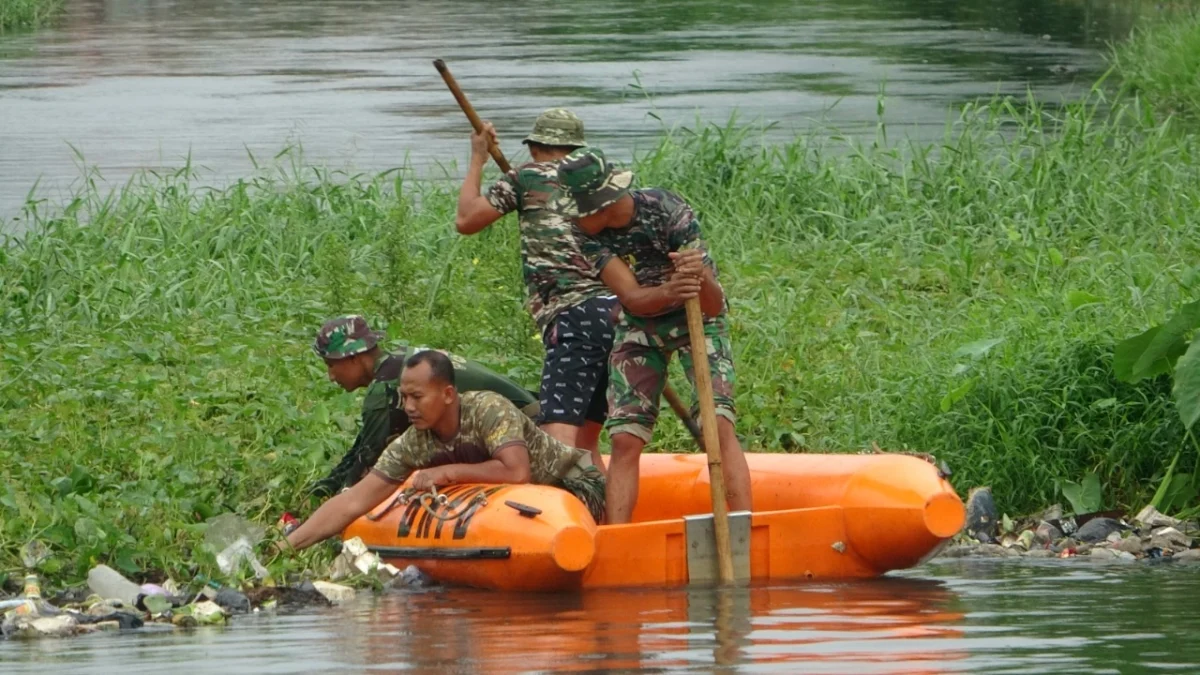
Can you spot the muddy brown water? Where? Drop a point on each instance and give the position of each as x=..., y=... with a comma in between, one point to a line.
x=946, y=617
x=123, y=85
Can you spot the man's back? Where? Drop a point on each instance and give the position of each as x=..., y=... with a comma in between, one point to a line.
x=557, y=275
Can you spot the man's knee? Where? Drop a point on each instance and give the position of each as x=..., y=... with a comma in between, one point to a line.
x=561, y=431
x=533, y=410
x=626, y=446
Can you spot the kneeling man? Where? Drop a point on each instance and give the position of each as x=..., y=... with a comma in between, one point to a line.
x=475, y=437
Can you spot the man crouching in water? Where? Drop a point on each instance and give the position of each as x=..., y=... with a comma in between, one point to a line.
x=475, y=437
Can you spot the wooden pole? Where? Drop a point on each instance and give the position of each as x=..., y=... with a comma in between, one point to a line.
x=712, y=444
x=684, y=414
x=467, y=109
x=498, y=155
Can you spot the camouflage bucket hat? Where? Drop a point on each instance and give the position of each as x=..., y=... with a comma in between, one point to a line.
x=591, y=182
x=345, y=336
x=557, y=126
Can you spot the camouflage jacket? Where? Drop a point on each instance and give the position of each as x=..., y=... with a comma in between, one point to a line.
x=488, y=423
x=557, y=275
x=383, y=416
x=662, y=222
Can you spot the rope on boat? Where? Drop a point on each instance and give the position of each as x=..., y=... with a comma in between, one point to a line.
x=441, y=500
x=426, y=500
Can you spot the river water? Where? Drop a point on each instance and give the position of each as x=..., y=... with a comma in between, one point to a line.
x=946, y=617
x=122, y=85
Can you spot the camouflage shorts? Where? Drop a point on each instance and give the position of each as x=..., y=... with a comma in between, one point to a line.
x=641, y=352
x=588, y=485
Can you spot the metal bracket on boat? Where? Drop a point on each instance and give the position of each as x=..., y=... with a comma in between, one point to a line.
x=702, y=547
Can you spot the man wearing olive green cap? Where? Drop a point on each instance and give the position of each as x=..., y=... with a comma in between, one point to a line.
x=571, y=306
x=354, y=360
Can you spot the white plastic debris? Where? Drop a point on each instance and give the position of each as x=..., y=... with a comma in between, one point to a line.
x=110, y=584
x=1150, y=517
x=208, y=612
x=43, y=626
x=355, y=547
x=232, y=556
x=335, y=593
x=233, y=538
x=413, y=576
x=1170, y=538
x=356, y=559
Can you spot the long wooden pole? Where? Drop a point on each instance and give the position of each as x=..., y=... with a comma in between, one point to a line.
x=683, y=413
x=712, y=443
x=469, y=111
x=497, y=154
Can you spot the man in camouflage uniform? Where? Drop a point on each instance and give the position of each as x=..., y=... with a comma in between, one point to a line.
x=571, y=306
x=354, y=360
x=475, y=437
x=646, y=244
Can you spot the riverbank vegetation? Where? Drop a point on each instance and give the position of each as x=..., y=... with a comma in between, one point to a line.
x=962, y=299
x=18, y=15
x=1161, y=63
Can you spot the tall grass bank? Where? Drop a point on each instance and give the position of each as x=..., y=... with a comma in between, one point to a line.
x=961, y=299
x=18, y=15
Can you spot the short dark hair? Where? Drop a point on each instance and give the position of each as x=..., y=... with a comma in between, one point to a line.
x=552, y=148
x=439, y=364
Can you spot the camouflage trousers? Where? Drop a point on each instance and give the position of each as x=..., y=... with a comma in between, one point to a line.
x=588, y=485
x=641, y=352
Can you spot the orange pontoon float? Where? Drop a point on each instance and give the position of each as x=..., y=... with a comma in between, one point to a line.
x=814, y=517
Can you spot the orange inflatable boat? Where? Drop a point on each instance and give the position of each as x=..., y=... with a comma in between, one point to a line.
x=814, y=517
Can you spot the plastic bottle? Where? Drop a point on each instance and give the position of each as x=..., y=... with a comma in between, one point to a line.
x=28, y=608
x=30, y=604
x=108, y=583
x=33, y=590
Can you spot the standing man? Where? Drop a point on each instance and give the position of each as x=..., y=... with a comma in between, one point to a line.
x=354, y=360
x=647, y=246
x=571, y=306
x=476, y=437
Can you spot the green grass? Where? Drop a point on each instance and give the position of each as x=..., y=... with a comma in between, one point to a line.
x=1161, y=63
x=960, y=298
x=18, y=15
x=858, y=276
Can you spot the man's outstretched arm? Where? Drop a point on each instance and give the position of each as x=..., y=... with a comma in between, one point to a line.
x=335, y=514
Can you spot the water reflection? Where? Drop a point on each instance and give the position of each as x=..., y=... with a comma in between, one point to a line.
x=946, y=617
x=888, y=626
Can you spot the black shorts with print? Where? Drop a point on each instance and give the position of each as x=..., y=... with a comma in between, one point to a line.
x=575, y=372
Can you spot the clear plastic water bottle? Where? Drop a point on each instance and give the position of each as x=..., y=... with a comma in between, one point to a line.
x=108, y=583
